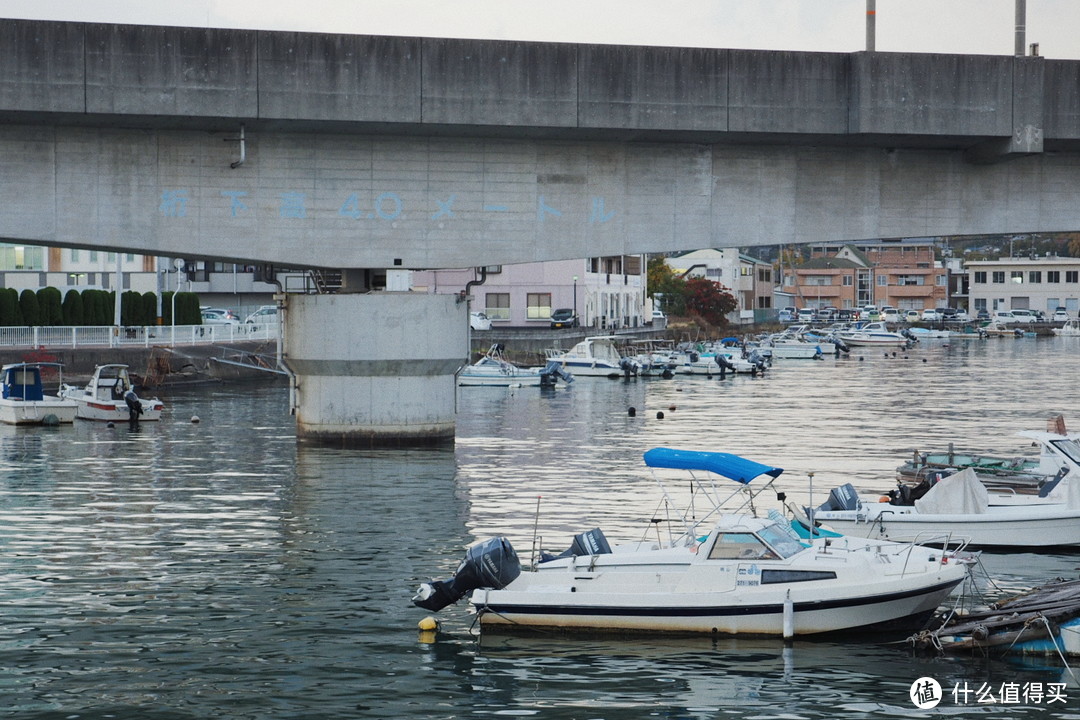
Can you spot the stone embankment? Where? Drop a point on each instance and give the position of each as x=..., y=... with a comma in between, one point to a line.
x=159, y=366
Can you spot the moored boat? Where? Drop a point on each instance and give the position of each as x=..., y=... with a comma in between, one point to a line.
x=494, y=370
x=24, y=401
x=874, y=333
x=746, y=575
x=596, y=356
x=110, y=396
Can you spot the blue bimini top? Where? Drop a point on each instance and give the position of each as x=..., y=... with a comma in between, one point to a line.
x=730, y=466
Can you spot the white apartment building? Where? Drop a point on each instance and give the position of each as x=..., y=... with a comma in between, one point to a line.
x=1030, y=283
x=748, y=279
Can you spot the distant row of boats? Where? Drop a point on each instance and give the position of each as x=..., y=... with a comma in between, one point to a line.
x=109, y=396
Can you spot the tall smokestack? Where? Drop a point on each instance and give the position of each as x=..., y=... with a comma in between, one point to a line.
x=871, y=17
x=1021, y=22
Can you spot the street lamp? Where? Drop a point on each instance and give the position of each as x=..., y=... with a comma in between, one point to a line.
x=575, y=301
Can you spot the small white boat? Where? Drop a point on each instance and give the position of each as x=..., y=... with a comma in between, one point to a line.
x=921, y=333
x=962, y=505
x=746, y=576
x=873, y=333
x=1071, y=328
x=24, y=401
x=494, y=370
x=594, y=357
x=109, y=396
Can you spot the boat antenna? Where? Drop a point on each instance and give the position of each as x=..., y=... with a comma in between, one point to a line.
x=811, y=508
x=536, y=525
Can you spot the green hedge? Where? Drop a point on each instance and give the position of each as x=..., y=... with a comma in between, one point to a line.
x=94, y=307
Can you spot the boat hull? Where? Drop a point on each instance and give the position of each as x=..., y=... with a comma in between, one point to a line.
x=34, y=412
x=714, y=613
x=515, y=380
x=107, y=411
x=1038, y=526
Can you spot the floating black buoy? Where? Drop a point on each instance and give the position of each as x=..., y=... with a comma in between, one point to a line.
x=924, y=359
x=660, y=415
x=671, y=408
x=632, y=412
x=860, y=358
x=109, y=424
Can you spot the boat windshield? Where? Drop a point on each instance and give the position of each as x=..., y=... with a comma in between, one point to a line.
x=740, y=546
x=1069, y=448
x=781, y=541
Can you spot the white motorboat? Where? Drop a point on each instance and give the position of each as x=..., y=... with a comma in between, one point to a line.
x=873, y=333
x=962, y=505
x=494, y=370
x=594, y=357
x=110, y=396
x=1071, y=328
x=24, y=401
x=747, y=575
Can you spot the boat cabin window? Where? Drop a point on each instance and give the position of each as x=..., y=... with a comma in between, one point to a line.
x=740, y=546
x=782, y=541
x=1068, y=448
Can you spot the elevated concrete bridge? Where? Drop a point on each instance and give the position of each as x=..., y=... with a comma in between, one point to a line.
x=374, y=153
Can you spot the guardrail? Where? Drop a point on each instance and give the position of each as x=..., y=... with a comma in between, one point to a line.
x=124, y=336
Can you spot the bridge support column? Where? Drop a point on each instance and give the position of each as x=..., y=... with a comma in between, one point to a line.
x=377, y=368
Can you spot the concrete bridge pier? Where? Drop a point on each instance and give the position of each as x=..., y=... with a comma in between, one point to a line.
x=375, y=369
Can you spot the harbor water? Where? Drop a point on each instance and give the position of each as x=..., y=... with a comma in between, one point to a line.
x=220, y=569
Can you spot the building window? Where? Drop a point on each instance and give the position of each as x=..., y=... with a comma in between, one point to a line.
x=498, y=306
x=980, y=276
x=882, y=280
x=93, y=256
x=942, y=280
x=999, y=276
x=764, y=301
x=1035, y=276
x=1053, y=276
x=713, y=273
x=764, y=275
x=74, y=254
x=746, y=271
x=130, y=257
x=1017, y=277
x=538, y=306
x=848, y=281
x=818, y=280
x=22, y=257
x=910, y=279
x=1071, y=276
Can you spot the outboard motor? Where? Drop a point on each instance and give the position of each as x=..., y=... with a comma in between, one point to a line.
x=490, y=564
x=133, y=405
x=841, y=498
x=590, y=542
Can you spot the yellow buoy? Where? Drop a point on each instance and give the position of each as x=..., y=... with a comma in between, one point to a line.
x=429, y=624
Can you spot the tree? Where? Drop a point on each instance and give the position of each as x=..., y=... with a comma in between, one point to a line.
x=709, y=299
x=72, y=308
x=665, y=286
x=9, y=308
x=49, y=302
x=31, y=312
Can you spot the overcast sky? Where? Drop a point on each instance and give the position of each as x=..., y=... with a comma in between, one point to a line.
x=947, y=26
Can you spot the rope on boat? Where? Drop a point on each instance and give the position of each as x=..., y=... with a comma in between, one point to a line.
x=1058, y=647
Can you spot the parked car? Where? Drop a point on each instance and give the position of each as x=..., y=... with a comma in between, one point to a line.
x=982, y=314
x=563, y=318
x=1061, y=315
x=1024, y=316
x=870, y=312
x=218, y=316
x=825, y=314
x=479, y=321
x=932, y=315
x=890, y=315
x=961, y=316
x=912, y=316
x=213, y=318
x=847, y=314
x=786, y=316
x=658, y=314
x=807, y=315
x=266, y=315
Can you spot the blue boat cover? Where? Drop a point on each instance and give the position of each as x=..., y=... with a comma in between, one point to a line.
x=730, y=466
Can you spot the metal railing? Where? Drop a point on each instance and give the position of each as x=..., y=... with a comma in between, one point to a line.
x=125, y=336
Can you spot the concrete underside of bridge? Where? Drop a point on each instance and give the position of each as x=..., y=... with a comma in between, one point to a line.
x=375, y=369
